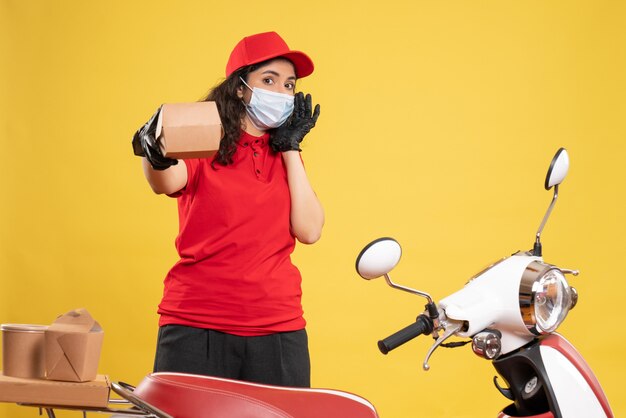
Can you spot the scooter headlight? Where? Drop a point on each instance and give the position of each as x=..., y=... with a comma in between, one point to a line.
x=545, y=298
x=552, y=300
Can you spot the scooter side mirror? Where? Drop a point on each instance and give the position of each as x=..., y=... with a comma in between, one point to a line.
x=558, y=169
x=378, y=258
x=556, y=174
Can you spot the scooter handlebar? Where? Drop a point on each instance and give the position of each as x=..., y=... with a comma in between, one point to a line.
x=422, y=325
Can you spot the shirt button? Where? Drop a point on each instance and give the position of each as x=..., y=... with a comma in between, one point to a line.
x=258, y=171
x=256, y=154
x=245, y=144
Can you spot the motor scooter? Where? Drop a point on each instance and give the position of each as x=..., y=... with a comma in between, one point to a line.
x=511, y=311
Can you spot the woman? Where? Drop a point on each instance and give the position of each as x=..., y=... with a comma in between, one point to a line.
x=231, y=304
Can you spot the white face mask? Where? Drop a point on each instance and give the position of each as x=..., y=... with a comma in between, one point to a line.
x=268, y=109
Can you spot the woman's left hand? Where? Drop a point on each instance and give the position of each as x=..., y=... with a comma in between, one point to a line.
x=288, y=136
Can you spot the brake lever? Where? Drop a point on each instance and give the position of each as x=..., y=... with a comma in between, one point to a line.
x=450, y=330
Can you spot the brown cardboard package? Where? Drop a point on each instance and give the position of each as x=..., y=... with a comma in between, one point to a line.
x=45, y=392
x=189, y=130
x=72, y=347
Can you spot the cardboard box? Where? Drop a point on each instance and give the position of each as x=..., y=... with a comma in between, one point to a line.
x=45, y=392
x=72, y=347
x=189, y=130
x=23, y=350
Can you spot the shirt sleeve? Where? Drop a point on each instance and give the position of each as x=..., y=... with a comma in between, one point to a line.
x=192, y=172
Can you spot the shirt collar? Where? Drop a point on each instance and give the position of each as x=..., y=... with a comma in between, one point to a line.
x=246, y=140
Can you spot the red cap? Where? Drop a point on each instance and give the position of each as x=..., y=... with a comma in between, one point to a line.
x=264, y=46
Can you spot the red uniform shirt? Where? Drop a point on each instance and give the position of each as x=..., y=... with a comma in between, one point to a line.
x=235, y=273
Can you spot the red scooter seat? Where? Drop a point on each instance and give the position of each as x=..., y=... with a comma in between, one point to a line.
x=193, y=396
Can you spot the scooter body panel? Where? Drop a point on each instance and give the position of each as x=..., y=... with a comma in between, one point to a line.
x=576, y=388
x=549, y=376
x=497, y=288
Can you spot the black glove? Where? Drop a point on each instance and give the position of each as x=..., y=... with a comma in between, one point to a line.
x=288, y=136
x=145, y=144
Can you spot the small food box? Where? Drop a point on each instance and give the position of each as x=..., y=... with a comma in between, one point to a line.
x=72, y=347
x=189, y=130
x=23, y=350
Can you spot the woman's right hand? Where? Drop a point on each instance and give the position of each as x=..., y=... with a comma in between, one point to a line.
x=146, y=144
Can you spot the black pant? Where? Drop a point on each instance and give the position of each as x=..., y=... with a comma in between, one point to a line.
x=275, y=359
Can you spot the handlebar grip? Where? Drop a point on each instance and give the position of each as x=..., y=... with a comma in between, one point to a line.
x=422, y=325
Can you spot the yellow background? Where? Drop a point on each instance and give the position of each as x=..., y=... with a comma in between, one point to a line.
x=439, y=119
